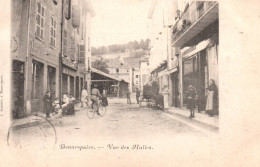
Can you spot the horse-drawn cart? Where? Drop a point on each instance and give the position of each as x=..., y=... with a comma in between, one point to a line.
x=151, y=97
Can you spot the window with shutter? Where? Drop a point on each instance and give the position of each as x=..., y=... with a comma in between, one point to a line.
x=73, y=48
x=53, y=32
x=40, y=20
x=82, y=30
x=67, y=9
x=65, y=44
x=82, y=54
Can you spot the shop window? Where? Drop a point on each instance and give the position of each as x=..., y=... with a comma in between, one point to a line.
x=40, y=20
x=53, y=32
x=190, y=74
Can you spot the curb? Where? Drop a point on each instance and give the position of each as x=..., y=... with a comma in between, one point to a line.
x=33, y=123
x=194, y=121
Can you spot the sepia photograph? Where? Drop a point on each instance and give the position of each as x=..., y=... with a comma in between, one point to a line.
x=115, y=82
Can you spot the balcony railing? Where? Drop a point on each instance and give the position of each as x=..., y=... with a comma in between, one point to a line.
x=192, y=13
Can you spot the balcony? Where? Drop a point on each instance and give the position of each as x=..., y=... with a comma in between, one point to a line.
x=197, y=16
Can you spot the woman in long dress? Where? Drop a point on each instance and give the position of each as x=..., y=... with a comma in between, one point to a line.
x=212, y=99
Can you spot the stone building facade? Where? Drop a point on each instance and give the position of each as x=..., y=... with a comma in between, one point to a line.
x=37, y=51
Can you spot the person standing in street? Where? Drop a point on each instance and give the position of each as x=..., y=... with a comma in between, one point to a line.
x=95, y=96
x=84, y=97
x=104, y=98
x=212, y=99
x=47, y=103
x=137, y=95
x=128, y=94
x=191, y=96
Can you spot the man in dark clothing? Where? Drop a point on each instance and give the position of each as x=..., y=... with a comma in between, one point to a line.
x=47, y=103
x=137, y=95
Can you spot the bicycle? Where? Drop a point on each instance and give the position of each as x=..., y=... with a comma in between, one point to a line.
x=93, y=109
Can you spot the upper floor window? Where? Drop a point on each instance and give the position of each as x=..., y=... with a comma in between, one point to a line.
x=53, y=31
x=200, y=8
x=136, y=76
x=65, y=43
x=82, y=30
x=67, y=9
x=40, y=17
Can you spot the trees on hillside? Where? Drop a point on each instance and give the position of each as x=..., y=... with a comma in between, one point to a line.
x=100, y=65
x=132, y=46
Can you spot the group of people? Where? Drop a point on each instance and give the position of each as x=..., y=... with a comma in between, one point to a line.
x=68, y=101
x=211, y=102
x=95, y=96
x=191, y=96
x=128, y=96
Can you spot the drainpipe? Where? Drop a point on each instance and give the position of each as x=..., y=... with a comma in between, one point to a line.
x=27, y=107
x=61, y=53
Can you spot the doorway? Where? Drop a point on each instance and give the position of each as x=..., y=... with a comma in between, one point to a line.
x=175, y=92
x=51, y=80
x=77, y=88
x=18, y=89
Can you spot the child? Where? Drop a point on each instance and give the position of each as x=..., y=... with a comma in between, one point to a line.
x=191, y=96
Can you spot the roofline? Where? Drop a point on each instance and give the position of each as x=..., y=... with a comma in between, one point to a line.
x=107, y=75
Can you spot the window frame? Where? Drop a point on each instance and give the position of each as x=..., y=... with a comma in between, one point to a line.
x=41, y=23
x=65, y=39
x=67, y=7
x=53, y=34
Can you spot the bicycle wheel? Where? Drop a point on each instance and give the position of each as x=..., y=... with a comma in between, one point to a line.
x=91, y=112
x=102, y=110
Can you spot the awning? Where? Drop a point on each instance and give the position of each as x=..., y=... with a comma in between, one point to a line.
x=202, y=45
x=106, y=75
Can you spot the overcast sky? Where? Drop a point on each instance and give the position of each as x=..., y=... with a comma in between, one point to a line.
x=119, y=21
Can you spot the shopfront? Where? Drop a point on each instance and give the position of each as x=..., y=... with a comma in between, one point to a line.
x=199, y=65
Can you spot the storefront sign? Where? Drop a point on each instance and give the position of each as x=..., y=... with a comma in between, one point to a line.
x=195, y=49
x=69, y=63
x=68, y=71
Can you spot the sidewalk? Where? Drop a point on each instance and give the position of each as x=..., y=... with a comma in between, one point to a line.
x=201, y=119
x=36, y=118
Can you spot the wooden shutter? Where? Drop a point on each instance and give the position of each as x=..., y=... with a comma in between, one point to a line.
x=82, y=54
